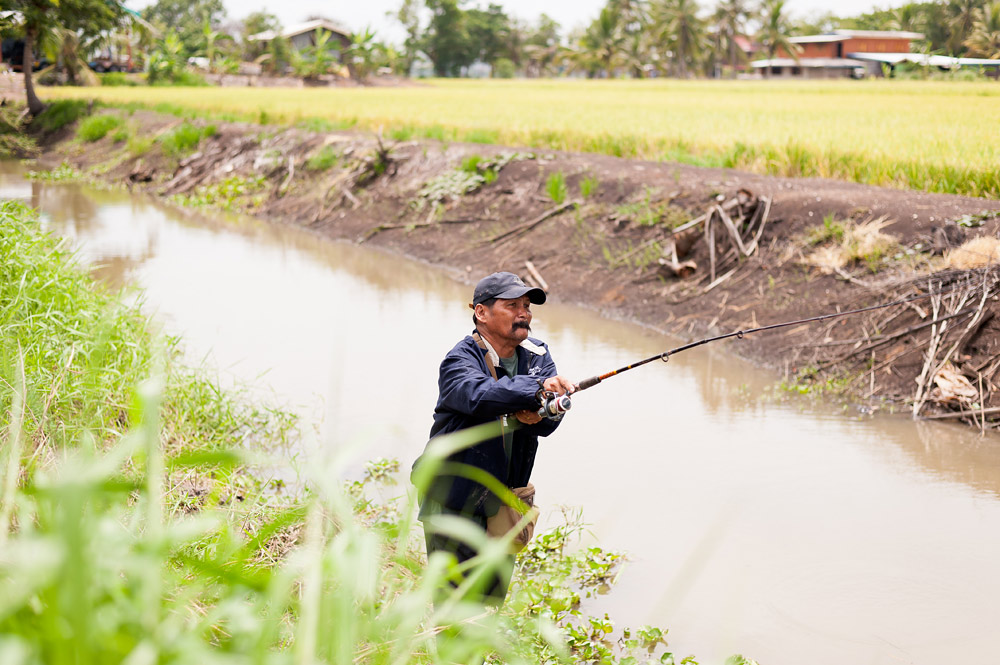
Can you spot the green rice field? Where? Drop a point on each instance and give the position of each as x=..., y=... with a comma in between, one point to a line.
x=933, y=136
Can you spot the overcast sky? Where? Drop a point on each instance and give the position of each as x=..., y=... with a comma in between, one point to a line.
x=359, y=14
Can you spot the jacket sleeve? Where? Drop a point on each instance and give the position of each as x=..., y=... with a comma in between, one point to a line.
x=546, y=426
x=465, y=388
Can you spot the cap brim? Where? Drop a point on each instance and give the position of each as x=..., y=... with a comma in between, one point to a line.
x=535, y=294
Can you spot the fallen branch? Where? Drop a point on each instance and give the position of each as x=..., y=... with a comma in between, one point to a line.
x=962, y=414
x=416, y=225
x=288, y=178
x=536, y=275
x=527, y=226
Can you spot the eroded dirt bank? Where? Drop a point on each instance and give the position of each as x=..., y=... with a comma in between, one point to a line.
x=630, y=238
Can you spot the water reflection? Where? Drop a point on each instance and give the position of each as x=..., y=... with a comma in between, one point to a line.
x=790, y=531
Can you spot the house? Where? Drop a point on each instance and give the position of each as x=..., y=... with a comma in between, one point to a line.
x=303, y=36
x=841, y=53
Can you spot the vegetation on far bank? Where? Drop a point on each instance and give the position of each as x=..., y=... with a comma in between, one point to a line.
x=135, y=528
x=822, y=129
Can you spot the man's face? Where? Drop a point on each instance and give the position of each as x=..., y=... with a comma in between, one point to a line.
x=509, y=320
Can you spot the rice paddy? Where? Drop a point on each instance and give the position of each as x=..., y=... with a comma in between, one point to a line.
x=932, y=136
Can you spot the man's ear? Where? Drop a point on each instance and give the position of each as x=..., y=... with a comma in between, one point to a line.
x=479, y=311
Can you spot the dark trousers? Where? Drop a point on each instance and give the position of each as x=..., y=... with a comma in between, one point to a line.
x=493, y=589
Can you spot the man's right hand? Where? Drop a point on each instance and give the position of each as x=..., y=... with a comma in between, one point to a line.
x=559, y=385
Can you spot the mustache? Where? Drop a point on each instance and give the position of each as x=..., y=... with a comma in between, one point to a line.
x=521, y=324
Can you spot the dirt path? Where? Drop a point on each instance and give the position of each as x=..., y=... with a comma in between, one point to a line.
x=600, y=232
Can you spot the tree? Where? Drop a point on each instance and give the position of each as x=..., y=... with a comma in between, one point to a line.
x=187, y=19
x=542, y=46
x=254, y=24
x=601, y=45
x=678, y=27
x=408, y=15
x=447, y=41
x=39, y=18
x=362, y=54
x=730, y=21
x=489, y=33
x=211, y=39
x=962, y=15
x=984, y=41
x=775, y=32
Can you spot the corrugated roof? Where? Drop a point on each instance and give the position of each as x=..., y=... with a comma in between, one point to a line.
x=300, y=28
x=844, y=35
x=809, y=63
x=924, y=59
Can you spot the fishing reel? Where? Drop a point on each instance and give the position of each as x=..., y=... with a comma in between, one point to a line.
x=553, y=406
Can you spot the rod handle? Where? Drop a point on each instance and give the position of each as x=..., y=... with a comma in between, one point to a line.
x=588, y=383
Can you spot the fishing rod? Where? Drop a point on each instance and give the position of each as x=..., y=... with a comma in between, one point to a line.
x=552, y=406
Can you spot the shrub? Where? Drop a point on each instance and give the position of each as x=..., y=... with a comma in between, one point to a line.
x=504, y=68
x=185, y=138
x=59, y=114
x=116, y=79
x=96, y=127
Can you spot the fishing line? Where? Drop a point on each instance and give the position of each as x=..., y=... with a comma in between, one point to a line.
x=739, y=334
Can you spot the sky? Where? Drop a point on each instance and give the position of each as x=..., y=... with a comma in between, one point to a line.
x=568, y=13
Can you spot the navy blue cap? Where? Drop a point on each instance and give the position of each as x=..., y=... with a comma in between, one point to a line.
x=505, y=285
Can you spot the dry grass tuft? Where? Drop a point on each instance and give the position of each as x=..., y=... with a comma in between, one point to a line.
x=864, y=241
x=975, y=253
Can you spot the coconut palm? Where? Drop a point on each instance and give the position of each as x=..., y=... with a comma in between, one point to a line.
x=985, y=38
x=677, y=26
x=775, y=32
x=730, y=21
x=601, y=45
x=962, y=15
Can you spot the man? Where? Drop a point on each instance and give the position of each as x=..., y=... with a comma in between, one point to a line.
x=469, y=395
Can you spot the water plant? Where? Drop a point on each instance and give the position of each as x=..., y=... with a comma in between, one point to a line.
x=234, y=194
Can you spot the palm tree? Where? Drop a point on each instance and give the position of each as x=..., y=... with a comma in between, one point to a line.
x=730, y=20
x=962, y=15
x=361, y=54
x=775, y=32
x=601, y=44
x=985, y=38
x=678, y=26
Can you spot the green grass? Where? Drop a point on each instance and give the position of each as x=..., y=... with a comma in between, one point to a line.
x=96, y=127
x=555, y=187
x=323, y=159
x=185, y=138
x=927, y=135
x=58, y=114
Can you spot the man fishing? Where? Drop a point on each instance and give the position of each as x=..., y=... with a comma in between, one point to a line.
x=496, y=374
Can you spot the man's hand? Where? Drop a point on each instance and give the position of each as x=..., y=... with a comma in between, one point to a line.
x=559, y=385
x=528, y=417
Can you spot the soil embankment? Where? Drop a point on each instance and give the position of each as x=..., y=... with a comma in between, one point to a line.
x=690, y=251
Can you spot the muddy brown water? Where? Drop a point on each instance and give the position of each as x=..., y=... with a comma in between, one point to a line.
x=787, y=530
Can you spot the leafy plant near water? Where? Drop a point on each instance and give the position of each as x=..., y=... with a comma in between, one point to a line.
x=96, y=127
x=235, y=193
x=62, y=173
x=474, y=172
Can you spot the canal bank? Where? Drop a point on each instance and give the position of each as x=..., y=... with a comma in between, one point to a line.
x=685, y=250
x=790, y=530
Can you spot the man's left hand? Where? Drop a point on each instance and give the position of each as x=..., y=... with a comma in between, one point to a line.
x=528, y=417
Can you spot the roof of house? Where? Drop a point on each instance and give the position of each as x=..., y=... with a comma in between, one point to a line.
x=844, y=35
x=923, y=59
x=809, y=63
x=300, y=28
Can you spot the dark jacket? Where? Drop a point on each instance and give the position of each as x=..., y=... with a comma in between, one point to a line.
x=469, y=396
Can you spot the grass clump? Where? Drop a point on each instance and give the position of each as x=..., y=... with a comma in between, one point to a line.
x=556, y=188
x=847, y=242
x=588, y=186
x=96, y=127
x=139, y=145
x=60, y=113
x=114, y=79
x=323, y=159
x=62, y=173
x=13, y=140
x=650, y=212
x=185, y=138
x=474, y=172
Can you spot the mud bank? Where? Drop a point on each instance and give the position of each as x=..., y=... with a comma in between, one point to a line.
x=629, y=238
